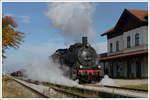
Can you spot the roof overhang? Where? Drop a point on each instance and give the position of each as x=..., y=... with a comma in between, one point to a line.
x=124, y=55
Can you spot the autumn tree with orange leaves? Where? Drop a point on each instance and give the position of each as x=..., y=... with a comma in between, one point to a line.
x=11, y=38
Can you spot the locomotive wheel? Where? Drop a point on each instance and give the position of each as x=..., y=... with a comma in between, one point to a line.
x=89, y=81
x=80, y=81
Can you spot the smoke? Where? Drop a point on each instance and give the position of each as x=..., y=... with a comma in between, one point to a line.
x=107, y=81
x=73, y=20
x=47, y=71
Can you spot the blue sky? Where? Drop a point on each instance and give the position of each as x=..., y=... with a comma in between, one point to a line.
x=42, y=39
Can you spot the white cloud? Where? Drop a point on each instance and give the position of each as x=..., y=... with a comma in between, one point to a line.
x=24, y=19
x=27, y=52
x=44, y=49
x=100, y=47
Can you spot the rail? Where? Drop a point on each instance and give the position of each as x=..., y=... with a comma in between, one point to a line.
x=94, y=92
x=30, y=88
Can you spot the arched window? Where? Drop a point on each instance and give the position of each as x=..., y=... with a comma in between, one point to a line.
x=117, y=46
x=111, y=47
x=137, y=39
x=128, y=42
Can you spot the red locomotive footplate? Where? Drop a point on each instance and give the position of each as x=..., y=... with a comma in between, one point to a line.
x=90, y=71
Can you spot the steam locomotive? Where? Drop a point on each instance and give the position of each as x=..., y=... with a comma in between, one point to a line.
x=81, y=59
x=19, y=73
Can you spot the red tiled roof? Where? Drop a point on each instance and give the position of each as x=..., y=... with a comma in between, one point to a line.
x=124, y=55
x=138, y=13
x=110, y=30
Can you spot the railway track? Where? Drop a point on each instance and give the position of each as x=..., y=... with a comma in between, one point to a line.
x=94, y=91
x=114, y=91
x=68, y=90
x=73, y=90
x=30, y=88
x=116, y=87
x=57, y=88
x=132, y=89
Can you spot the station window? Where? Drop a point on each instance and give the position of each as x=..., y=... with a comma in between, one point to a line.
x=117, y=46
x=128, y=42
x=137, y=39
x=111, y=47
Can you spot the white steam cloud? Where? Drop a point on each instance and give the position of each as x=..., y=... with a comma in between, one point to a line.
x=73, y=20
x=47, y=71
x=107, y=81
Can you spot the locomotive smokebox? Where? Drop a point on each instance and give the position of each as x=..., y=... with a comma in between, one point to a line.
x=84, y=41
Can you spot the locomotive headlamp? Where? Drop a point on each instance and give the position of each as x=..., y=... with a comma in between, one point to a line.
x=99, y=66
x=81, y=66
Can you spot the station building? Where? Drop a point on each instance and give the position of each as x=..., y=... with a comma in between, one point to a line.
x=127, y=46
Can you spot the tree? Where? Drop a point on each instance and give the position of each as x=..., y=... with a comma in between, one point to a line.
x=11, y=38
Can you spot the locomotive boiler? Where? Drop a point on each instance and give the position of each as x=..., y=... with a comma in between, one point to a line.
x=81, y=60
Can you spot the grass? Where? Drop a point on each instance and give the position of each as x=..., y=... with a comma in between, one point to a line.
x=142, y=87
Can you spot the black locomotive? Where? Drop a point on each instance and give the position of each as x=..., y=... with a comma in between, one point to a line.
x=81, y=60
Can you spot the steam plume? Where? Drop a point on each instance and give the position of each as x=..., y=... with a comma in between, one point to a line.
x=72, y=19
x=47, y=71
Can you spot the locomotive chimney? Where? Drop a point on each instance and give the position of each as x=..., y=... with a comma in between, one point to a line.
x=84, y=41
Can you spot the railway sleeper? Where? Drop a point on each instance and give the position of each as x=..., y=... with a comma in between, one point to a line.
x=78, y=92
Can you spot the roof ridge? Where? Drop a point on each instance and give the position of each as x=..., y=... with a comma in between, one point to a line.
x=140, y=14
